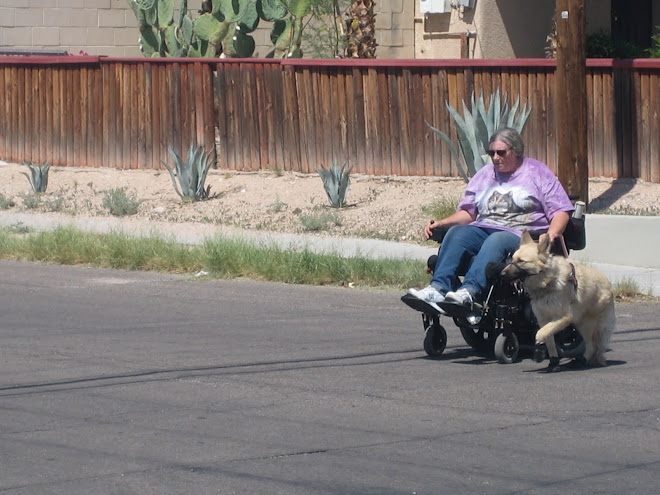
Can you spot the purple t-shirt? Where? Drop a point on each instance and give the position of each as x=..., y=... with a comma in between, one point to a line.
x=527, y=198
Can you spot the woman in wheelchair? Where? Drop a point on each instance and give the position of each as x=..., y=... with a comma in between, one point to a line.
x=510, y=194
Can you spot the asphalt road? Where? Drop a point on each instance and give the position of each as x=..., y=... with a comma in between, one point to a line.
x=132, y=383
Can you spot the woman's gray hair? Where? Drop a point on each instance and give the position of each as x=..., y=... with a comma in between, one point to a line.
x=511, y=138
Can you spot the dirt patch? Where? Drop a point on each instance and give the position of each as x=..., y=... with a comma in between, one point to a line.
x=379, y=207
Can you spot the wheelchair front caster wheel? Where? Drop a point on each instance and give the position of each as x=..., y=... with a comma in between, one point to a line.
x=506, y=348
x=435, y=340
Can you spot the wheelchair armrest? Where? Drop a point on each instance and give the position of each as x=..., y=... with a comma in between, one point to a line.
x=575, y=236
x=438, y=234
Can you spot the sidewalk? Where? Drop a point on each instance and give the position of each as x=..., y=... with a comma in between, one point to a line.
x=623, y=247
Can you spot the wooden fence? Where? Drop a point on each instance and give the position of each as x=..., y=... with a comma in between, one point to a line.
x=300, y=114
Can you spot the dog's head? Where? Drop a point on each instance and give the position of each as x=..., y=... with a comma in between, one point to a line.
x=528, y=260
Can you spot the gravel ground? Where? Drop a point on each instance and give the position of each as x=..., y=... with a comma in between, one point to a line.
x=378, y=207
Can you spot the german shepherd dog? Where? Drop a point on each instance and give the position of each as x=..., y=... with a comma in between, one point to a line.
x=564, y=293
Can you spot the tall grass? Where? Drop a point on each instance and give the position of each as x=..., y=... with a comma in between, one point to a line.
x=224, y=258
x=440, y=208
x=221, y=257
x=69, y=246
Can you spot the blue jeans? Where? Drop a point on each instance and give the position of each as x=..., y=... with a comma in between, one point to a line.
x=468, y=249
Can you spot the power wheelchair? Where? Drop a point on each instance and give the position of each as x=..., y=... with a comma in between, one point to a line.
x=504, y=325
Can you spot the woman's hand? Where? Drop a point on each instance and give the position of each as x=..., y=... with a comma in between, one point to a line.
x=551, y=236
x=557, y=226
x=428, y=229
x=461, y=217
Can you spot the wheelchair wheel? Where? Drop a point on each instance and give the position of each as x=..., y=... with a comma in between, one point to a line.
x=569, y=343
x=435, y=340
x=477, y=339
x=506, y=348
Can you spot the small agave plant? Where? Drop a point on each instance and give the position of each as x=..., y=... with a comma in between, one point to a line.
x=476, y=126
x=191, y=173
x=336, y=182
x=38, y=177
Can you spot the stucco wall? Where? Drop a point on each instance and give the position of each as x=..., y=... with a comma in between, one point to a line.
x=497, y=29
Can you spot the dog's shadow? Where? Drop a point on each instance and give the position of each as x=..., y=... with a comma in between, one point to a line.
x=570, y=367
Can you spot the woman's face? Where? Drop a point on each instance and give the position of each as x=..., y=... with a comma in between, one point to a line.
x=503, y=157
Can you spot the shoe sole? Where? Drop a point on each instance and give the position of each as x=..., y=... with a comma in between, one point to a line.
x=422, y=306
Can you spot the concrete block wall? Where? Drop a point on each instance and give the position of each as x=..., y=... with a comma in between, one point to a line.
x=395, y=28
x=96, y=27
x=109, y=27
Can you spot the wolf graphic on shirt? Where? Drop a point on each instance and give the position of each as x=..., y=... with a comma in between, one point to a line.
x=506, y=206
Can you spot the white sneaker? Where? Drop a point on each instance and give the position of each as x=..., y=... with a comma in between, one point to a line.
x=428, y=294
x=461, y=296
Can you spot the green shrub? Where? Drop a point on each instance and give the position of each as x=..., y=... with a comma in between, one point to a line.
x=5, y=203
x=55, y=204
x=278, y=206
x=654, y=51
x=31, y=201
x=119, y=203
x=601, y=45
x=625, y=288
x=319, y=221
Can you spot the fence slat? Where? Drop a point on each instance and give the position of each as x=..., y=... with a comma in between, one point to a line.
x=297, y=115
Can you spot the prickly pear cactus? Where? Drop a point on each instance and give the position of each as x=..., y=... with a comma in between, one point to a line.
x=222, y=29
x=226, y=28
x=286, y=34
x=160, y=36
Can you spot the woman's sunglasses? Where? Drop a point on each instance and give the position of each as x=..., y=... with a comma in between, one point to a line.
x=491, y=153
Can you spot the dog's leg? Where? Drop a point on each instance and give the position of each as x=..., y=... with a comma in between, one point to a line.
x=594, y=354
x=602, y=332
x=551, y=328
x=589, y=330
x=554, y=355
x=546, y=335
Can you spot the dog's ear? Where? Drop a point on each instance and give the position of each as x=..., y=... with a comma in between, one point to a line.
x=526, y=238
x=544, y=245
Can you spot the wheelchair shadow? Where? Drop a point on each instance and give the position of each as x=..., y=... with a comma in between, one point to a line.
x=618, y=189
x=463, y=355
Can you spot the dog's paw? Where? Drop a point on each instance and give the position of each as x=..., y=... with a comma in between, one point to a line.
x=540, y=353
x=553, y=367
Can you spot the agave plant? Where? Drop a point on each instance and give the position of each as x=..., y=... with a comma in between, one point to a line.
x=336, y=182
x=476, y=126
x=38, y=176
x=191, y=173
